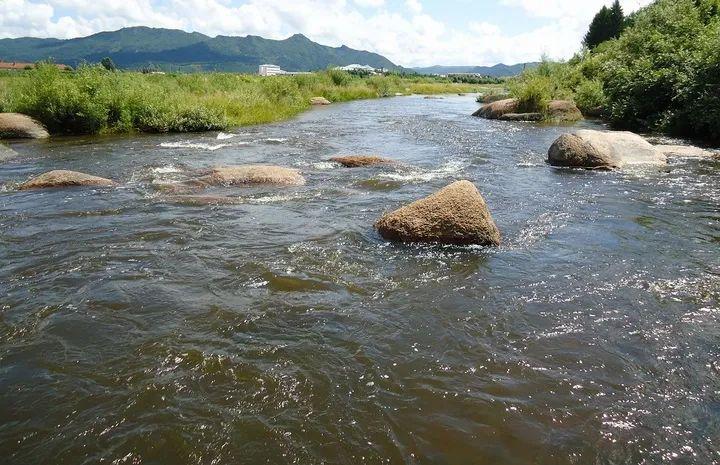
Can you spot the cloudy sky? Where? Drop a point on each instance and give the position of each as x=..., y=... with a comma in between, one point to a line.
x=409, y=32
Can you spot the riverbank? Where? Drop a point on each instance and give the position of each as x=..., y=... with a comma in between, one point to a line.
x=661, y=75
x=93, y=100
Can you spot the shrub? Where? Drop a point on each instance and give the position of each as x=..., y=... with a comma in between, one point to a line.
x=590, y=96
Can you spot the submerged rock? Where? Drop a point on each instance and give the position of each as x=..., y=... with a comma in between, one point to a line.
x=6, y=153
x=509, y=110
x=357, y=161
x=603, y=150
x=250, y=174
x=457, y=214
x=201, y=200
x=64, y=178
x=434, y=97
x=521, y=117
x=16, y=125
x=684, y=151
x=319, y=101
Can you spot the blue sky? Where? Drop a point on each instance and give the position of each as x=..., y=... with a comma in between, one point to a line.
x=409, y=32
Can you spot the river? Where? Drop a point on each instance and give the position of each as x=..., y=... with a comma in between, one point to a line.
x=136, y=329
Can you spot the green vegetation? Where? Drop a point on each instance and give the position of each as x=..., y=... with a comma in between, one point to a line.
x=94, y=100
x=661, y=74
x=607, y=24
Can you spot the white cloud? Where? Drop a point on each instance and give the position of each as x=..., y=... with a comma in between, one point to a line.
x=409, y=39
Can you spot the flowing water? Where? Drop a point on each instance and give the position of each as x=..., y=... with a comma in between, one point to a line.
x=142, y=328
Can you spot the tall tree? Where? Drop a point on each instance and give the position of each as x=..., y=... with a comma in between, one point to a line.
x=607, y=24
x=617, y=17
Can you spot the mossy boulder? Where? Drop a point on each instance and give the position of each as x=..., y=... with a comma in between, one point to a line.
x=16, y=125
x=457, y=214
x=65, y=178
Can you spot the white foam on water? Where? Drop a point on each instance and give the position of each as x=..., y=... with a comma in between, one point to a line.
x=166, y=169
x=225, y=136
x=278, y=140
x=448, y=169
x=192, y=145
x=275, y=198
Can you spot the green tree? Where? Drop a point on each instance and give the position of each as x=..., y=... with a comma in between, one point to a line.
x=607, y=24
x=108, y=64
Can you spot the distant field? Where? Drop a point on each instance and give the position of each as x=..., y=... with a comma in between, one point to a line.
x=93, y=100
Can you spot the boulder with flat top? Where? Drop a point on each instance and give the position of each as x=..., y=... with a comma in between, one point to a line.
x=64, y=178
x=249, y=174
x=456, y=214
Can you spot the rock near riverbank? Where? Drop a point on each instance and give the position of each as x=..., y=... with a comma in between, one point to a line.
x=16, y=125
x=603, y=150
x=457, y=214
x=319, y=101
x=509, y=110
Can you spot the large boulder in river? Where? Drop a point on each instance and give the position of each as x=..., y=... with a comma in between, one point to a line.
x=358, y=161
x=457, y=214
x=16, y=125
x=603, y=150
x=319, y=101
x=64, y=178
x=250, y=174
x=509, y=110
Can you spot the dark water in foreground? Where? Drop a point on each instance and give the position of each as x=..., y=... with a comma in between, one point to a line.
x=284, y=330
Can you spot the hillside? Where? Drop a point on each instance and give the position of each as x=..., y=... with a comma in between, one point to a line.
x=500, y=70
x=169, y=49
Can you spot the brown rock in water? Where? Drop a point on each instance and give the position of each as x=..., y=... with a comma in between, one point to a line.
x=603, y=150
x=250, y=174
x=457, y=214
x=509, y=110
x=357, y=161
x=564, y=110
x=16, y=125
x=64, y=178
x=319, y=101
x=494, y=110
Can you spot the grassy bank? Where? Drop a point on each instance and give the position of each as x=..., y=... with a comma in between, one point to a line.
x=661, y=74
x=93, y=100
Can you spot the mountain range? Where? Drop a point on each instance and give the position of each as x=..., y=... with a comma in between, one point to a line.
x=170, y=49
x=176, y=50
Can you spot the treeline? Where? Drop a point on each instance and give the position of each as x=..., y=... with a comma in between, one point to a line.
x=657, y=70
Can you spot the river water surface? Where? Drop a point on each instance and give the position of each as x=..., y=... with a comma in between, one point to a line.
x=137, y=329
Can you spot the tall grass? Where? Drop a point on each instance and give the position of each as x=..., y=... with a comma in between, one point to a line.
x=94, y=100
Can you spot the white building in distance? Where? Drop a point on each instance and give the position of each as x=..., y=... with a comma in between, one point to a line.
x=270, y=70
